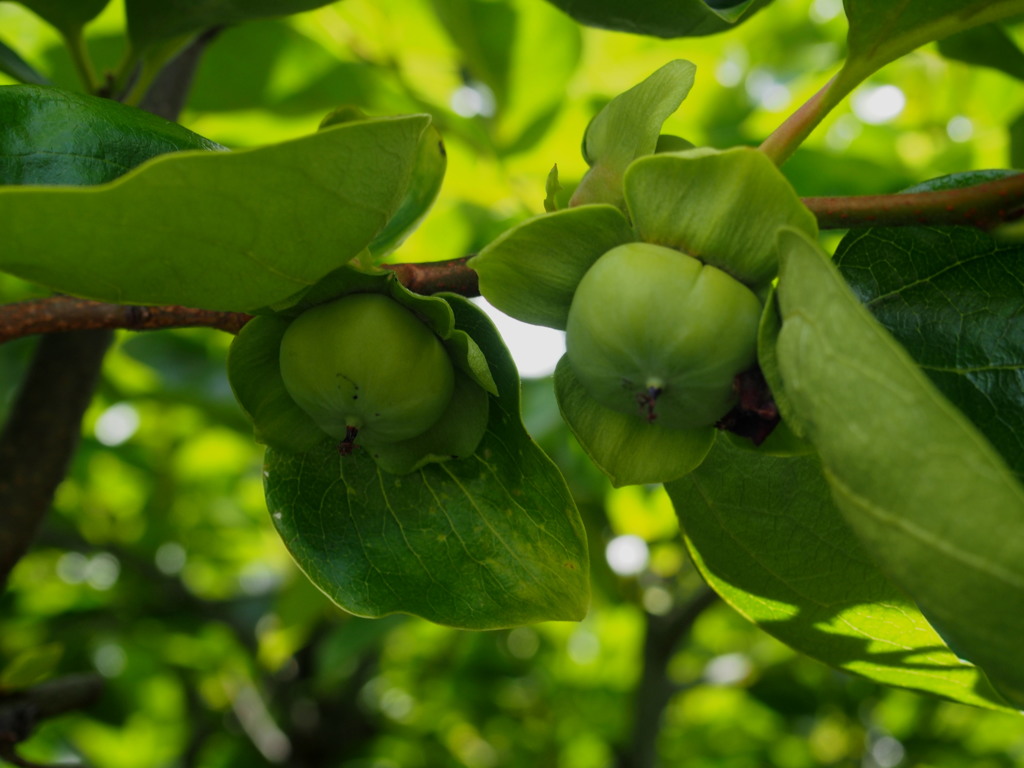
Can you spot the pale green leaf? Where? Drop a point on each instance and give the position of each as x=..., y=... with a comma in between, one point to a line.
x=722, y=207
x=627, y=128
x=218, y=230
x=531, y=271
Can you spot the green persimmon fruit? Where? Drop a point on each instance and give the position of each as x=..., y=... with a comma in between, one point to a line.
x=364, y=365
x=656, y=333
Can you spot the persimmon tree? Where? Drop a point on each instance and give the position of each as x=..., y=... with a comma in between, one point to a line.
x=839, y=432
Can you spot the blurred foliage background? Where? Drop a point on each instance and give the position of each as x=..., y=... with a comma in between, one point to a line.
x=159, y=569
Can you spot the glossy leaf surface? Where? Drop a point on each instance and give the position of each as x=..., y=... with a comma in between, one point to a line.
x=58, y=137
x=218, y=230
x=490, y=541
x=930, y=498
x=767, y=536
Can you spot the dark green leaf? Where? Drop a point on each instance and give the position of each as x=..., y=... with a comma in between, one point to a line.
x=953, y=298
x=490, y=541
x=987, y=46
x=52, y=136
x=661, y=18
x=882, y=31
x=219, y=230
x=155, y=22
x=928, y=496
x=13, y=65
x=766, y=535
x=68, y=16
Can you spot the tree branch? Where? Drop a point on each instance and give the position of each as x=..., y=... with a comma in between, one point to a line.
x=984, y=206
x=42, y=433
x=44, y=424
x=57, y=314
x=655, y=689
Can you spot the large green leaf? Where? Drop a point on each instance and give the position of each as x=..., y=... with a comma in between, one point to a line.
x=882, y=31
x=155, y=22
x=930, y=498
x=68, y=16
x=52, y=136
x=952, y=297
x=766, y=535
x=218, y=230
x=490, y=541
x=662, y=18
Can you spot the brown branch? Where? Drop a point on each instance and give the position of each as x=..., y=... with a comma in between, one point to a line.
x=984, y=206
x=57, y=314
x=41, y=434
x=438, y=276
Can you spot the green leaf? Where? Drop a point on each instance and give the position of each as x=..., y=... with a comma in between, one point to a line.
x=627, y=128
x=490, y=541
x=150, y=23
x=218, y=230
x=722, y=207
x=766, y=535
x=14, y=66
x=929, y=497
x=67, y=16
x=660, y=18
x=424, y=184
x=882, y=31
x=627, y=449
x=952, y=297
x=987, y=46
x=52, y=136
x=531, y=271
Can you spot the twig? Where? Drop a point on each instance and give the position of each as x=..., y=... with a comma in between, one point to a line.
x=57, y=314
x=984, y=206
